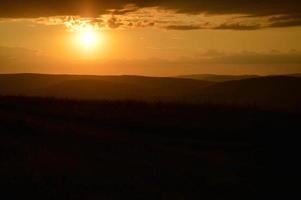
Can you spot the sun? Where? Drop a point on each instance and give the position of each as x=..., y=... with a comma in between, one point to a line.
x=88, y=37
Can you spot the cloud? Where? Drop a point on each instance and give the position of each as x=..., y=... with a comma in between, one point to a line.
x=285, y=21
x=238, y=26
x=16, y=60
x=177, y=14
x=43, y=8
x=212, y=53
x=281, y=24
x=245, y=57
x=183, y=27
x=12, y=53
x=222, y=26
x=113, y=22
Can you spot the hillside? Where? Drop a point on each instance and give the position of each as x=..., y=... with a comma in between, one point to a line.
x=266, y=92
x=217, y=78
x=295, y=75
x=100, y=87
x=72, y=149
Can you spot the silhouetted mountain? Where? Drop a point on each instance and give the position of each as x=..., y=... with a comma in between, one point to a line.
x=99, y=87
x=266, y=92
x=217, y=78
x=26, y=84
x=269, y=92
x=295, y=75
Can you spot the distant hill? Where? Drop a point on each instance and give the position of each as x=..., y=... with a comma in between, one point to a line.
x=295, y=75
x=100, y=87
x=266, y=92
x=272, y=91
x=217, y=78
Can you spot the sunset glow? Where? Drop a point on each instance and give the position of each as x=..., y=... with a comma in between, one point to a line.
x=88, y=37
x=149, y=99
x=151, y=38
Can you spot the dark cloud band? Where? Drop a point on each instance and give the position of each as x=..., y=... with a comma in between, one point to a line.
x=42, y=8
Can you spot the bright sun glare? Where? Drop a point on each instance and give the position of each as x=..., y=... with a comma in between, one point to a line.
x=88, y=37
x=87, y=34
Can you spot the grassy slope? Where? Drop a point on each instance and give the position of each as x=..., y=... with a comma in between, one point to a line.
x=99, y=87
x=69, y=149
x=269, y=92
x=217, y=78
x=272, y=92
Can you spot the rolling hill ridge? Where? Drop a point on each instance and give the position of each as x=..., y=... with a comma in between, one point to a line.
x=268, y=92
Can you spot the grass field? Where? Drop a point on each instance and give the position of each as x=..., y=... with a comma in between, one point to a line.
x=70, y=149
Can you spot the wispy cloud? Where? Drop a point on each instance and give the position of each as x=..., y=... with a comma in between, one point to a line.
x=42, y=8
x=172, y=15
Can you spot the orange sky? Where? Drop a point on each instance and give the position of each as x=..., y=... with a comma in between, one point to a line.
x=152, y=41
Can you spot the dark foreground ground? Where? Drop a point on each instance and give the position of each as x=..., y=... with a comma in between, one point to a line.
x=67, y=149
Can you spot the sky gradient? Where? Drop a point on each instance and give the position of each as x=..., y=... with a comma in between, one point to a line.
x=152, y=37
